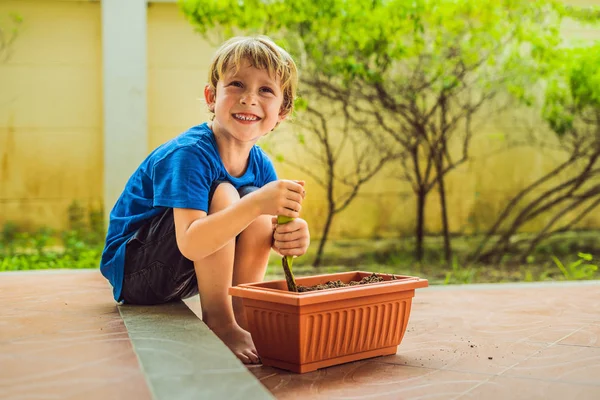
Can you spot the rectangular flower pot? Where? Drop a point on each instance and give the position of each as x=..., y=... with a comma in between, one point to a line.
x=302, y=332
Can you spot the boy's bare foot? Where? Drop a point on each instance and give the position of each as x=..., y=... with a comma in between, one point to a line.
x=240, y=314
x=239, y=342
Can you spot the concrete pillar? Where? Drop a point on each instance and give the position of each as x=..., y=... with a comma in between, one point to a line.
x=124, y=87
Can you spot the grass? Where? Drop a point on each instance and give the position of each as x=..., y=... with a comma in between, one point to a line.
x=571, y=256
x=396, y=256
x=44, y=250
x=442, y=275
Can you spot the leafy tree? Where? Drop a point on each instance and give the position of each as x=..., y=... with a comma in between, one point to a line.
x=337, y=154
x=571, y=190
x=438, y=66
x=342, y=146
x=421, y=69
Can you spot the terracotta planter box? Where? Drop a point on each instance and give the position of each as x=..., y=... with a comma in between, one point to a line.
x=302, y=332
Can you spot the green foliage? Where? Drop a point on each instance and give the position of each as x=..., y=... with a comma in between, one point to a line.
x=585, y=15
x=574, y=89
x=337, y=35
x=394, y=255
x=9, y=231
x=76, y=215
x=426, y=66
x=31, y=251
x=9, y=30
x=86, y=223
x=300, y=104
x=78, y=247
x=578, y=269
x=399, y=43
x=460, y=274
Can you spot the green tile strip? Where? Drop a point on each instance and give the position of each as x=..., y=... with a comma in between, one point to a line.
x=183, y=359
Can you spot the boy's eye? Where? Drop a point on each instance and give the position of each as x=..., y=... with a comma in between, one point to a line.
x=267, y=89
x=236, y=83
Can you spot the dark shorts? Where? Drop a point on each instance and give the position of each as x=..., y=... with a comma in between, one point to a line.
x=155, y=270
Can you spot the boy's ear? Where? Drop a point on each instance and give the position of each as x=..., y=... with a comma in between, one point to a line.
x=283, y=116
x=210, y=97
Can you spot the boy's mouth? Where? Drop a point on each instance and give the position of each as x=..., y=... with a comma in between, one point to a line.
x=245, y=117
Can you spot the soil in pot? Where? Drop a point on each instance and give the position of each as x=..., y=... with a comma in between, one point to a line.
x=374, y=278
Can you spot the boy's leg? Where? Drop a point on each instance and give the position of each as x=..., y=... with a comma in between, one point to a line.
x=215, y=274
x=155, y=270
x=251, y=256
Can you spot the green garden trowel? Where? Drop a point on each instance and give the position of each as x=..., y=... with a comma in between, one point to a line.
x=287, y=261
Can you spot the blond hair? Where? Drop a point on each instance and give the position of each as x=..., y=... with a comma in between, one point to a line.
x=261, y=52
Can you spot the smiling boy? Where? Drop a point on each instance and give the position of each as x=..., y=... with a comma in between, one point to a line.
x=199, y=213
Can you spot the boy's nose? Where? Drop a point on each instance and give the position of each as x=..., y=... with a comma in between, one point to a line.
x=248, y=99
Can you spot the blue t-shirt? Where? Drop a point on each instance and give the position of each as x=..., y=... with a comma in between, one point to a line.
x=178, y=174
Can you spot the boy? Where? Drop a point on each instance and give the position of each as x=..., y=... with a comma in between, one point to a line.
x=199, y=213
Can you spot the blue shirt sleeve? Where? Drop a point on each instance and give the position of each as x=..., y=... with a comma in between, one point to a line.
x=268, y=172
x=182, y=179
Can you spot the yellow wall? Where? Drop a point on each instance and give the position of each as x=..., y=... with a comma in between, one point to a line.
x=51, y=126
x=51, y=112
x=178, y=62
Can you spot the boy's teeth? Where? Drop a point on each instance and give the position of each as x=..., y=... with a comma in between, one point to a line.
x=245, y=117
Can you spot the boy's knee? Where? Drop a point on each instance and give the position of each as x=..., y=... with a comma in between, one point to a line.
x=260, y=230
x=223, y=195
x=262, y=223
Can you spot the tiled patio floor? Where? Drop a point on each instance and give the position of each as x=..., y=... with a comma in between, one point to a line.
x=62, y=337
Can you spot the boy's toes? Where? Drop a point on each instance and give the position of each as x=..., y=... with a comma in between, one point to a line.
x=252, y=356
x=243, y=358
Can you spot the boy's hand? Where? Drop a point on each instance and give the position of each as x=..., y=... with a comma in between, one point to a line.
x=292, y=238
x=282, y=197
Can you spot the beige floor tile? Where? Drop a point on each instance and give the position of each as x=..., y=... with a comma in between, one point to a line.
x=588, y=335
x=472, y=355
x=502, y=388
x=371, y=380
x=575, y=364
x=62, y=337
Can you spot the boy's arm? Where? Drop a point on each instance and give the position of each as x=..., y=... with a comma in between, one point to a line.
x=199, y=235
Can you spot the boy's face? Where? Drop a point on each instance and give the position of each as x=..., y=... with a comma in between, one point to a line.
x=246, y=103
